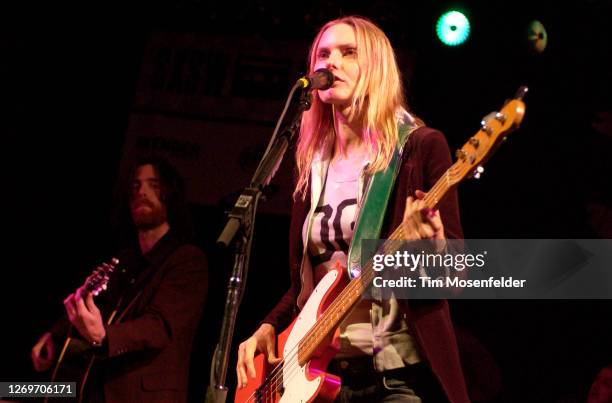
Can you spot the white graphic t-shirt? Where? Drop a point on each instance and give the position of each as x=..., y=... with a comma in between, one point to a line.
x=372, y=325
x=333, y=225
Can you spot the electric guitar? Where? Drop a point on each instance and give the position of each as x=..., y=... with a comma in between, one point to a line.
x=76, y=357
x=311, y=341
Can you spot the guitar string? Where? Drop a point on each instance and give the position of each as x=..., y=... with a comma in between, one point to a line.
x=307, y=341
x=271, y=385
x=273, y=379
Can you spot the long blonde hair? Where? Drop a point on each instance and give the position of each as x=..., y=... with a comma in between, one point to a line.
x=377, y=98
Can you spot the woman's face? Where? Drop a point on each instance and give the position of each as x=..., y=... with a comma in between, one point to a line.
x=337, y=52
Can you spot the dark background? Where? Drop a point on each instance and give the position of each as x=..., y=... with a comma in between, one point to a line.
x=67, y=85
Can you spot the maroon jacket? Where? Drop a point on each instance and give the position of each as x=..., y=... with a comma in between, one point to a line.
x=425, y=159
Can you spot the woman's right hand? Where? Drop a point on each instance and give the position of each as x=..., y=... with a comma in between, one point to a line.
x=263, y=341
x=43, y=353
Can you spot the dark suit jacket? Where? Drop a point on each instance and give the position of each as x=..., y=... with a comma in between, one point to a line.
x=425, y=159
x=148, y=350
x=146, y=353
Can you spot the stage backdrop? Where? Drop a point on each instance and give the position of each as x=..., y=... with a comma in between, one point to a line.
x=209, y=105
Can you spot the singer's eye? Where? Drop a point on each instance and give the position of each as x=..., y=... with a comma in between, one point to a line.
x=350, y=52
x=323, y=54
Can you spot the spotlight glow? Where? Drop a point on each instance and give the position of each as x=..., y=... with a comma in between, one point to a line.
x=453, y=28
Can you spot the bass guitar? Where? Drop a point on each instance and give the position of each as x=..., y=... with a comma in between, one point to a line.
x=311, y=341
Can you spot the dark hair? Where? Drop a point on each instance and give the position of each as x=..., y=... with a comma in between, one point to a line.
x=172, y=194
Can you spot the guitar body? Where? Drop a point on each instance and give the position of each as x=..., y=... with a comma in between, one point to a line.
x=306, y=382
x=74, y=364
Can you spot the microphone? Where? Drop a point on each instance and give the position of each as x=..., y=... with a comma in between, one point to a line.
x=322, y=79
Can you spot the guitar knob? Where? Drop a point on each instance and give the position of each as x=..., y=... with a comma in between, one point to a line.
x=479, y=170
x=484, y=123
x=460, y=154
x=486, y=129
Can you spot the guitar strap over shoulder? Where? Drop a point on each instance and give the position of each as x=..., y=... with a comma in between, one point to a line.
x=376, y=199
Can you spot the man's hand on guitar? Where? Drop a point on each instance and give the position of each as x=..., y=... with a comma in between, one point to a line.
x=43, y=353
x=263, y=341
x=85, y=316
x=421, y=222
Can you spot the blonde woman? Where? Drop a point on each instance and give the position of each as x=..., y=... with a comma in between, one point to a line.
x=394, y=350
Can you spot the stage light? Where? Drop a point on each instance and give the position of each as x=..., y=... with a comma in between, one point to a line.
x=453, y=28
x=537, y=36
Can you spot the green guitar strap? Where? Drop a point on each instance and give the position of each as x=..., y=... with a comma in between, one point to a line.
x=372, y=213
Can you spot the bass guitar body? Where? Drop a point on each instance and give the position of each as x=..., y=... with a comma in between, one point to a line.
x=294, y=380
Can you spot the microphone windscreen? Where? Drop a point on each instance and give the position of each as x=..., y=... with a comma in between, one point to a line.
x=322, y=79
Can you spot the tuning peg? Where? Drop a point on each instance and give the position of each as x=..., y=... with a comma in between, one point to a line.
x=484, y=123
x=500, y=117
x=479, y=170
x=460, y=154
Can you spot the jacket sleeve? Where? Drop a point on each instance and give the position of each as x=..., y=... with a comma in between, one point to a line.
x=177, y=303
x=283, y=313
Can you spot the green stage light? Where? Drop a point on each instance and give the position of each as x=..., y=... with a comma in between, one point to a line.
x=453, y=28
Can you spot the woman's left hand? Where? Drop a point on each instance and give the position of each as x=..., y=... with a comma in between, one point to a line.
x=421, y=222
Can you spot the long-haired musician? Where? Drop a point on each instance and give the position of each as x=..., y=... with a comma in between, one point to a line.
x=391, y=350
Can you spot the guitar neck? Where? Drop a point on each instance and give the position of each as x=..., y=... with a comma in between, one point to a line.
x=441, y=187
x=351, y=295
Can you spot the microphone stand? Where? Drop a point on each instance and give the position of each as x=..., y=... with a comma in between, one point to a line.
x=239, y=230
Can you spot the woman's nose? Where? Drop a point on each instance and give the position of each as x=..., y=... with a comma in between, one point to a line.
x=334, y=61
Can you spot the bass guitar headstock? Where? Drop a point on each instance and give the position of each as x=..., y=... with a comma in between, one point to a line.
x=494, y=128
